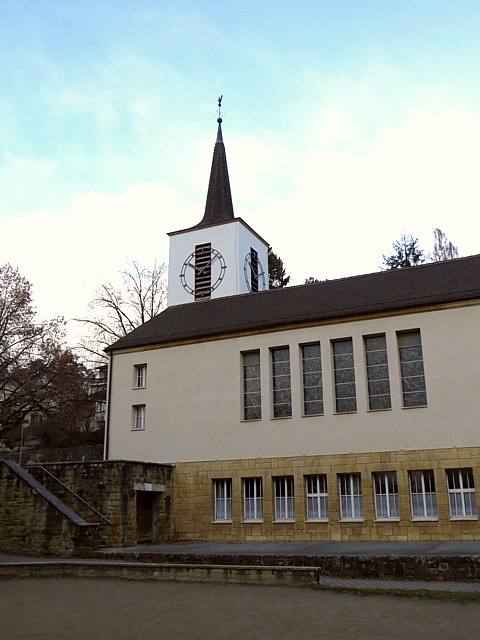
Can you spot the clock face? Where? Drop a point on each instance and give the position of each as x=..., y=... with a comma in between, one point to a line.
x=203, y=271
x=254, y=272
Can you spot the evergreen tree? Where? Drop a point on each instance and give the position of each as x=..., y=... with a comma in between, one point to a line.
x=277, y=273
x=406, y=253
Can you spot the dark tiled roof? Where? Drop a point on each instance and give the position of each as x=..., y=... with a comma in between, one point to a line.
x=219, y=205
x=386, y=291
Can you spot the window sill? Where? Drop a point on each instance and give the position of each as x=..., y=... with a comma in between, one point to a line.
x=138, y=388
x=378, y=410
x=281, y=418
x=251, y=420
x=222, y=521
x=348, y=520
x=318, y=520
x=312, y=415
x=137, y=429
x=344, y=413
x=252, y=521
x=425, y=519
x=285, y=521
x=418, y=406
x=463, y=518
x=387, y=519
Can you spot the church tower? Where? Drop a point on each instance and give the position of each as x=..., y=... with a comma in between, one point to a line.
x=221, y=255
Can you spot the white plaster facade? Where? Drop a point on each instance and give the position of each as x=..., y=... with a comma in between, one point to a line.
x=233, y=239
x=193, y=394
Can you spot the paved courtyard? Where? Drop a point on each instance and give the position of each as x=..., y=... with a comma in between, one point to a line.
x=118, y=609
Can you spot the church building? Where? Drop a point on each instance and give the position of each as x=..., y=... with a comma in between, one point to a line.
x=345, y=410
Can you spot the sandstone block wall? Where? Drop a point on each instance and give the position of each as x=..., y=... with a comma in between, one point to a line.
x=194, y=498
x=30, y=524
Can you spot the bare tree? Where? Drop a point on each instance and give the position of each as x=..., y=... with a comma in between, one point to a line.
x=117, y=310
x=443, y=249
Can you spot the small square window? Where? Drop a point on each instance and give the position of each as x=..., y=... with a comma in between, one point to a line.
x=140, y=376
x=253, y=499
x=139, y=417
x=386, y=495
x=223, y=499
x=351, y=501
x=284, y=498
x=422, y=493
x=461, y=493
x=317, y=497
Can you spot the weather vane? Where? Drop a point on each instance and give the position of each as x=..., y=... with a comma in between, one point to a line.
x=219, y=119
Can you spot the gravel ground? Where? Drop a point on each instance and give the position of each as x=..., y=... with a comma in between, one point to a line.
x=119, y=609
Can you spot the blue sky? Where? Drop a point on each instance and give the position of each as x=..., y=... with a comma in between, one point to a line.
x=346, y=123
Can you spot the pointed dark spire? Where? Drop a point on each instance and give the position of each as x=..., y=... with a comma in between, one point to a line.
x=219, y=205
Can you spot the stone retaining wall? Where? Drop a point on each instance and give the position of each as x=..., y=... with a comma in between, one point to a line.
x=29, y=523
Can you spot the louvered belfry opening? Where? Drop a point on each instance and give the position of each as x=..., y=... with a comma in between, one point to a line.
x=203, y=270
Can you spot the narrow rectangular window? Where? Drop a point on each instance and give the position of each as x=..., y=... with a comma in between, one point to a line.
x=203, y=270
x=422, y=492
x=223, y=499
x=140, y=376
x=253, y=270
x=252, y=395
x=139, y=416
x=386, y=495
x=378, y=380
x=343, y=364
x=253, y=498
x=411, y=368
x=317, y=497
x=282, y=392
x=351, y=502
x=312, y=379
x=461, y=493
x=284, y=498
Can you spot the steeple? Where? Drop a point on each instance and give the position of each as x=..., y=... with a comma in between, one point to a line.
x=219, y=205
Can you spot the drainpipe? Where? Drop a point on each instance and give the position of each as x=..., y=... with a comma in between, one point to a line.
x=107, y=417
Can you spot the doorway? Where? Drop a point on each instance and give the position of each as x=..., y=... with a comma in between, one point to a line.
x=145, y=516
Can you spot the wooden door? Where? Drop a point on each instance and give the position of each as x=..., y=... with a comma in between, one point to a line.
x=144, y=516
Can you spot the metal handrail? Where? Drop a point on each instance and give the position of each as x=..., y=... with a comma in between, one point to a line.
x=49, y=473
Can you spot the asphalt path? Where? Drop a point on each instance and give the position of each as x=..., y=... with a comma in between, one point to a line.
x=119, y=609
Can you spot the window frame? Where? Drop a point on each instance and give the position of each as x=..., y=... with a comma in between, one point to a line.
x=389, y=496
x=462, y=491
x=353, y=498
x=275, y=380
x=140, y=375
x=254, y=486
x=222, y=500
x=308, y=372
x=423, y=477
x=139, y=420
x=284, y=500
x=248, y=408
x=316, y=497
x=407, y=381
x=338, y=357
x=373, y=368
